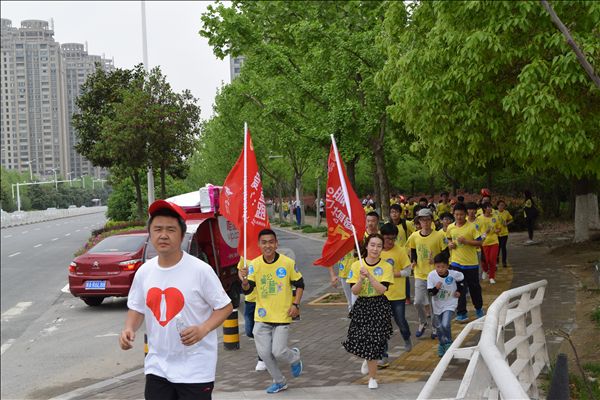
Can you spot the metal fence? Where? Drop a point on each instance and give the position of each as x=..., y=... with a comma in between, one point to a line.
x=510, y=354
x=29, y=217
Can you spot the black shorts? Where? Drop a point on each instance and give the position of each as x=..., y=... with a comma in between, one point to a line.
x=158, y=388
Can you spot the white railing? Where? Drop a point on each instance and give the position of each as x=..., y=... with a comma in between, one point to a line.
x=510, y=354
x=29, y=217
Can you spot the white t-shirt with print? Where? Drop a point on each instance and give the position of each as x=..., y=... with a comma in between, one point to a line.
x=444, y=300
x=190, y=288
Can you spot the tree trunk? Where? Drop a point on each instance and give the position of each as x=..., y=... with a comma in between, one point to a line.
x=135, y=177
x=380, y=170
x=594, y=221
x=163, y=185
x=376, y=189
x=299, y=196
x=582, y=210
x=351, y=171
x=318, y=203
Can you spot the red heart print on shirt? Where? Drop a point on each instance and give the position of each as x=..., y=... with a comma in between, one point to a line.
x=174, y=302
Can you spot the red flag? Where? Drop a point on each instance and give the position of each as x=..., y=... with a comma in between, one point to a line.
x=231, y=201
x=340, y=240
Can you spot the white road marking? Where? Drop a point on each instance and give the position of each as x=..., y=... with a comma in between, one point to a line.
x=6, y=345
x=37, y=245
x=24, y=232
x=67, y=234
x=108, y=335
x=16, y=310
x=65, y=289
x=54, y=239
x=14, y=254
x=7, y=236
x=78, y=230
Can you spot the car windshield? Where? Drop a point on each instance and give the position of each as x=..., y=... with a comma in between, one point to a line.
x=119, y=244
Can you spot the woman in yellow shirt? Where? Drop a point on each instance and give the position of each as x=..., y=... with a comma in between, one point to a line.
x=490, y=225
x=371, y=316
x=505, y=220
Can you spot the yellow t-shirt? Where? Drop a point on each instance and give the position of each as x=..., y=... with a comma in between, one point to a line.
x=398, y=259
x=250, y=297
x=443, y=208
x=463, y=254
x=382, y=271
x=285, y=206
x=403, y=236
x=488, y=227
x=409, y=209
x=505, y=218
x=426, y=247
x=273, y=288
x=345, y=264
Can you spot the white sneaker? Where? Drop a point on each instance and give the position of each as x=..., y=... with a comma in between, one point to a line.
x=373, y=383
x=492, y=281
x=364, y=368
x=260, y=366
x=528, y=242
x=484, y=275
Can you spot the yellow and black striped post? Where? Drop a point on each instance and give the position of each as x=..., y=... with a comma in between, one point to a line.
x=145, y=345
x=231, y=331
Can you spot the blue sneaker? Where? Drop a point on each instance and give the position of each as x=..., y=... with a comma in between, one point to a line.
x=447, y=346
x=479, y=312
x=440, y=350
x=462, y=318
x=421, y=330
x=276, y=388
x=297, y=366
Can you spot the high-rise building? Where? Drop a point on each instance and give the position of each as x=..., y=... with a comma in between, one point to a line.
x=79, y=65
x=33, y=129
x=235, y=66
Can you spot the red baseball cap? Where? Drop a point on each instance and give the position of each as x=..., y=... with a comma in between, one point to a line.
x=485, y=192
x=162, y=204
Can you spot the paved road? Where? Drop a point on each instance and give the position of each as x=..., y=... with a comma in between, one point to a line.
x=53, y=342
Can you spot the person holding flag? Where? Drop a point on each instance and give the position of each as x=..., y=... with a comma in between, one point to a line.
x=242, y=202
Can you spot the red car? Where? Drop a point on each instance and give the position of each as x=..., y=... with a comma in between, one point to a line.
x=107, y=269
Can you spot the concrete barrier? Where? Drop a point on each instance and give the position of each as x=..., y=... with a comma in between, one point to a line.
x=30, y=217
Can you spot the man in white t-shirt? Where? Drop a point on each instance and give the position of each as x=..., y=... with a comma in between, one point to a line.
x=182, y=302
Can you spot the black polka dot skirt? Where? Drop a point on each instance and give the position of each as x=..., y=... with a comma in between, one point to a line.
x=370, y=327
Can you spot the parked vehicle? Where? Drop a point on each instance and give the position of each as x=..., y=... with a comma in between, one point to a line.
x=108, y=268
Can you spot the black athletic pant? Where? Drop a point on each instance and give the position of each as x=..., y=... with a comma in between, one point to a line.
x=502, y=240
x=158, y=388
x=471, y=282
x=530, y=223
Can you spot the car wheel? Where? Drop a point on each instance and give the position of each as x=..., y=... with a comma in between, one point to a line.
x=234, y=295
x=93, y=301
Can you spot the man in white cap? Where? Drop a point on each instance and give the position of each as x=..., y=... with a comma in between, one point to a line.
x=182, y=302
x=424, y=245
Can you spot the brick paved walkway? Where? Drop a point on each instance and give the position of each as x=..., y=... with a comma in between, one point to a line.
x=322, y=329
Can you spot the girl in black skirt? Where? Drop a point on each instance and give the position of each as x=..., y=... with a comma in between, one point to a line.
x=371, y=316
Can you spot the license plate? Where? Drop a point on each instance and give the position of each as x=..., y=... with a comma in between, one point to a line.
x=95, y=285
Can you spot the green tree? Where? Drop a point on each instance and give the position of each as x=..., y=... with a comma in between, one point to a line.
x=486, y=84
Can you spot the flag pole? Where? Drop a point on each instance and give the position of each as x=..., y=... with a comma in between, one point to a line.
x=245, y=191
x=346, y=197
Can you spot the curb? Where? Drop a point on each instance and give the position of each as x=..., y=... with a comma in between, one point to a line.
x=92, y=389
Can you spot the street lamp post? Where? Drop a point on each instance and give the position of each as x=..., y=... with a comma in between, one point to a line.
x=30, y=171
x=150, y=173
x=55, y=179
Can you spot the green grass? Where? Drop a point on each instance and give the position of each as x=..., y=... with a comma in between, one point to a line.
x=312, y=229
x=596, y=316
x=578, y=389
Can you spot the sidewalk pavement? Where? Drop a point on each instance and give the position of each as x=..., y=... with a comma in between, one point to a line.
x=331, y=372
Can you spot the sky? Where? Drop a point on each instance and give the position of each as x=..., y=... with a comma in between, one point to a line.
x=114, y=28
